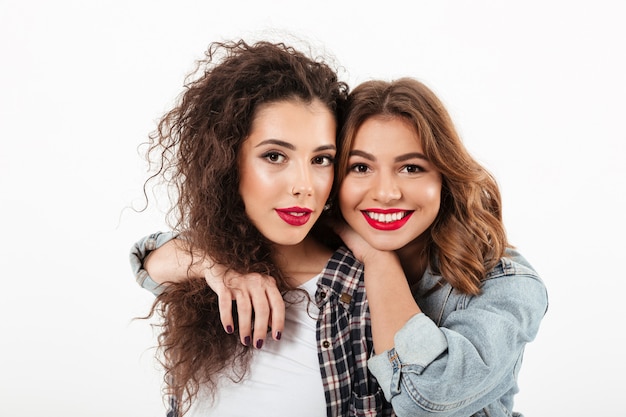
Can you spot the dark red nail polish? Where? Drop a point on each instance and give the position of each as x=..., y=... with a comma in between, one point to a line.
x=229, y=329
x=278, y=335
x=246, y=340
x=259, y=343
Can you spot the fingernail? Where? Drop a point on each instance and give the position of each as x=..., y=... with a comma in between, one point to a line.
x=259, y=343
x=246, y=341
x=229, y=329
x=278, y=335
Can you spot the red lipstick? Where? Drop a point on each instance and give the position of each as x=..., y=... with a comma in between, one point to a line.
x=386, y=219
x=294, y=216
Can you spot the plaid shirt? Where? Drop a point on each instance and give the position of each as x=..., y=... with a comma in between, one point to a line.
x=344, y=332
x=345, y=342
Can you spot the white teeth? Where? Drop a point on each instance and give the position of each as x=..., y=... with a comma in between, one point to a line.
x=298, y=214
x=386, y=218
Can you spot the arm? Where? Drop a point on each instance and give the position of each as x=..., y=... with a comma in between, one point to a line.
x=172, y=262
x=162, y=258
x=138, y=254
x=470, y=360
x=390, y=300
x=465, y=363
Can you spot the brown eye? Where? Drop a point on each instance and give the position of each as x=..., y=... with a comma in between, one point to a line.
x=274, y=157
x=412, y=169
x=359, y=168
x=323, y=160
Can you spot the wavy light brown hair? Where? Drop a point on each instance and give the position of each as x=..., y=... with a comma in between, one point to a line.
x=195, y=149
x=467, y=238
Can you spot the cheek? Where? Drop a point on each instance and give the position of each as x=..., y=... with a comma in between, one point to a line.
x=256, y=176
x=254, y=186
x=324, y=183
x=431, y=194
x=349, y=195
x=246, y=186
x=344, y=194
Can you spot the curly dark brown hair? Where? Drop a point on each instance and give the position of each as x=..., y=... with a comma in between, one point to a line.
x=195, y=150
x=467, y=238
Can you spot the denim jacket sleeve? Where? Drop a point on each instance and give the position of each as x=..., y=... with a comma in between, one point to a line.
x=138, y=253
x=471, y=360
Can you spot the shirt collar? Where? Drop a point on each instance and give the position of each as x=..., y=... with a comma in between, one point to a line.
x=341, y=277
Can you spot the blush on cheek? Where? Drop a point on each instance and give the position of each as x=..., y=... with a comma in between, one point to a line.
x=433, y=184
x=432, y=192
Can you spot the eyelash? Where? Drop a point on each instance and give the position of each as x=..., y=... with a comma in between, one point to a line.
x=273, y=155
x=329, y=159
x=409, y=169
x=269, y=155
x=353, y=168
x=416, y=168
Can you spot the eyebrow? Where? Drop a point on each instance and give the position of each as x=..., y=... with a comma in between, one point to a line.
x=401, y=158
x=290, y=146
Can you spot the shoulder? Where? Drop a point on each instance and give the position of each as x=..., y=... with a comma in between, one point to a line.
x=513, y=264
x=514, y=281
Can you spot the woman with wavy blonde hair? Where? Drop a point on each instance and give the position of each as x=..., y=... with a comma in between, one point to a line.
x=452, y=304
x=467, y=237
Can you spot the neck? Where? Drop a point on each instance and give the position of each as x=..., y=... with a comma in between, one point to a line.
x=303, y=261
x=413, y=259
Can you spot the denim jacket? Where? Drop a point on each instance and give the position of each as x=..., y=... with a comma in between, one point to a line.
x=138, y=254
x=462, y=354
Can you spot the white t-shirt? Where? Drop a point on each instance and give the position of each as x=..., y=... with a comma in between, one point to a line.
x=284, y=377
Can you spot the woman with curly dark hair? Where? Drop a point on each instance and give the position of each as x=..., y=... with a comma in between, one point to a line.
x=248, y=152
x=451, y=303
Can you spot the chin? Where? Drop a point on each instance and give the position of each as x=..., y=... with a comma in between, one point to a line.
x=386, y=244
x=289, y=240
x=387, y=247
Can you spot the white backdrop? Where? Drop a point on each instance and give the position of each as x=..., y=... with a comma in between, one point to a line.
x=537, y=90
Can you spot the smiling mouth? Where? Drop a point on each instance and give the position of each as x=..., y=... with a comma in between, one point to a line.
x=387, y=221
x=387, y=217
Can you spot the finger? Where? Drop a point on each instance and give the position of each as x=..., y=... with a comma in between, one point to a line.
x=261, y=307
x=244, y=319
x=225, y=303
x=277, y=312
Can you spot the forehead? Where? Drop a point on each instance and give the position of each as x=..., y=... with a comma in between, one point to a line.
x=293, y=121
x=386, y=132
x=278, y=108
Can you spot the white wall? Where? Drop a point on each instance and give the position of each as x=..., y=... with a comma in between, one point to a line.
x=537, y=89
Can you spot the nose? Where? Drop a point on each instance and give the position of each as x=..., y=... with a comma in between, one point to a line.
x=302, y=184
x=386, y=189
